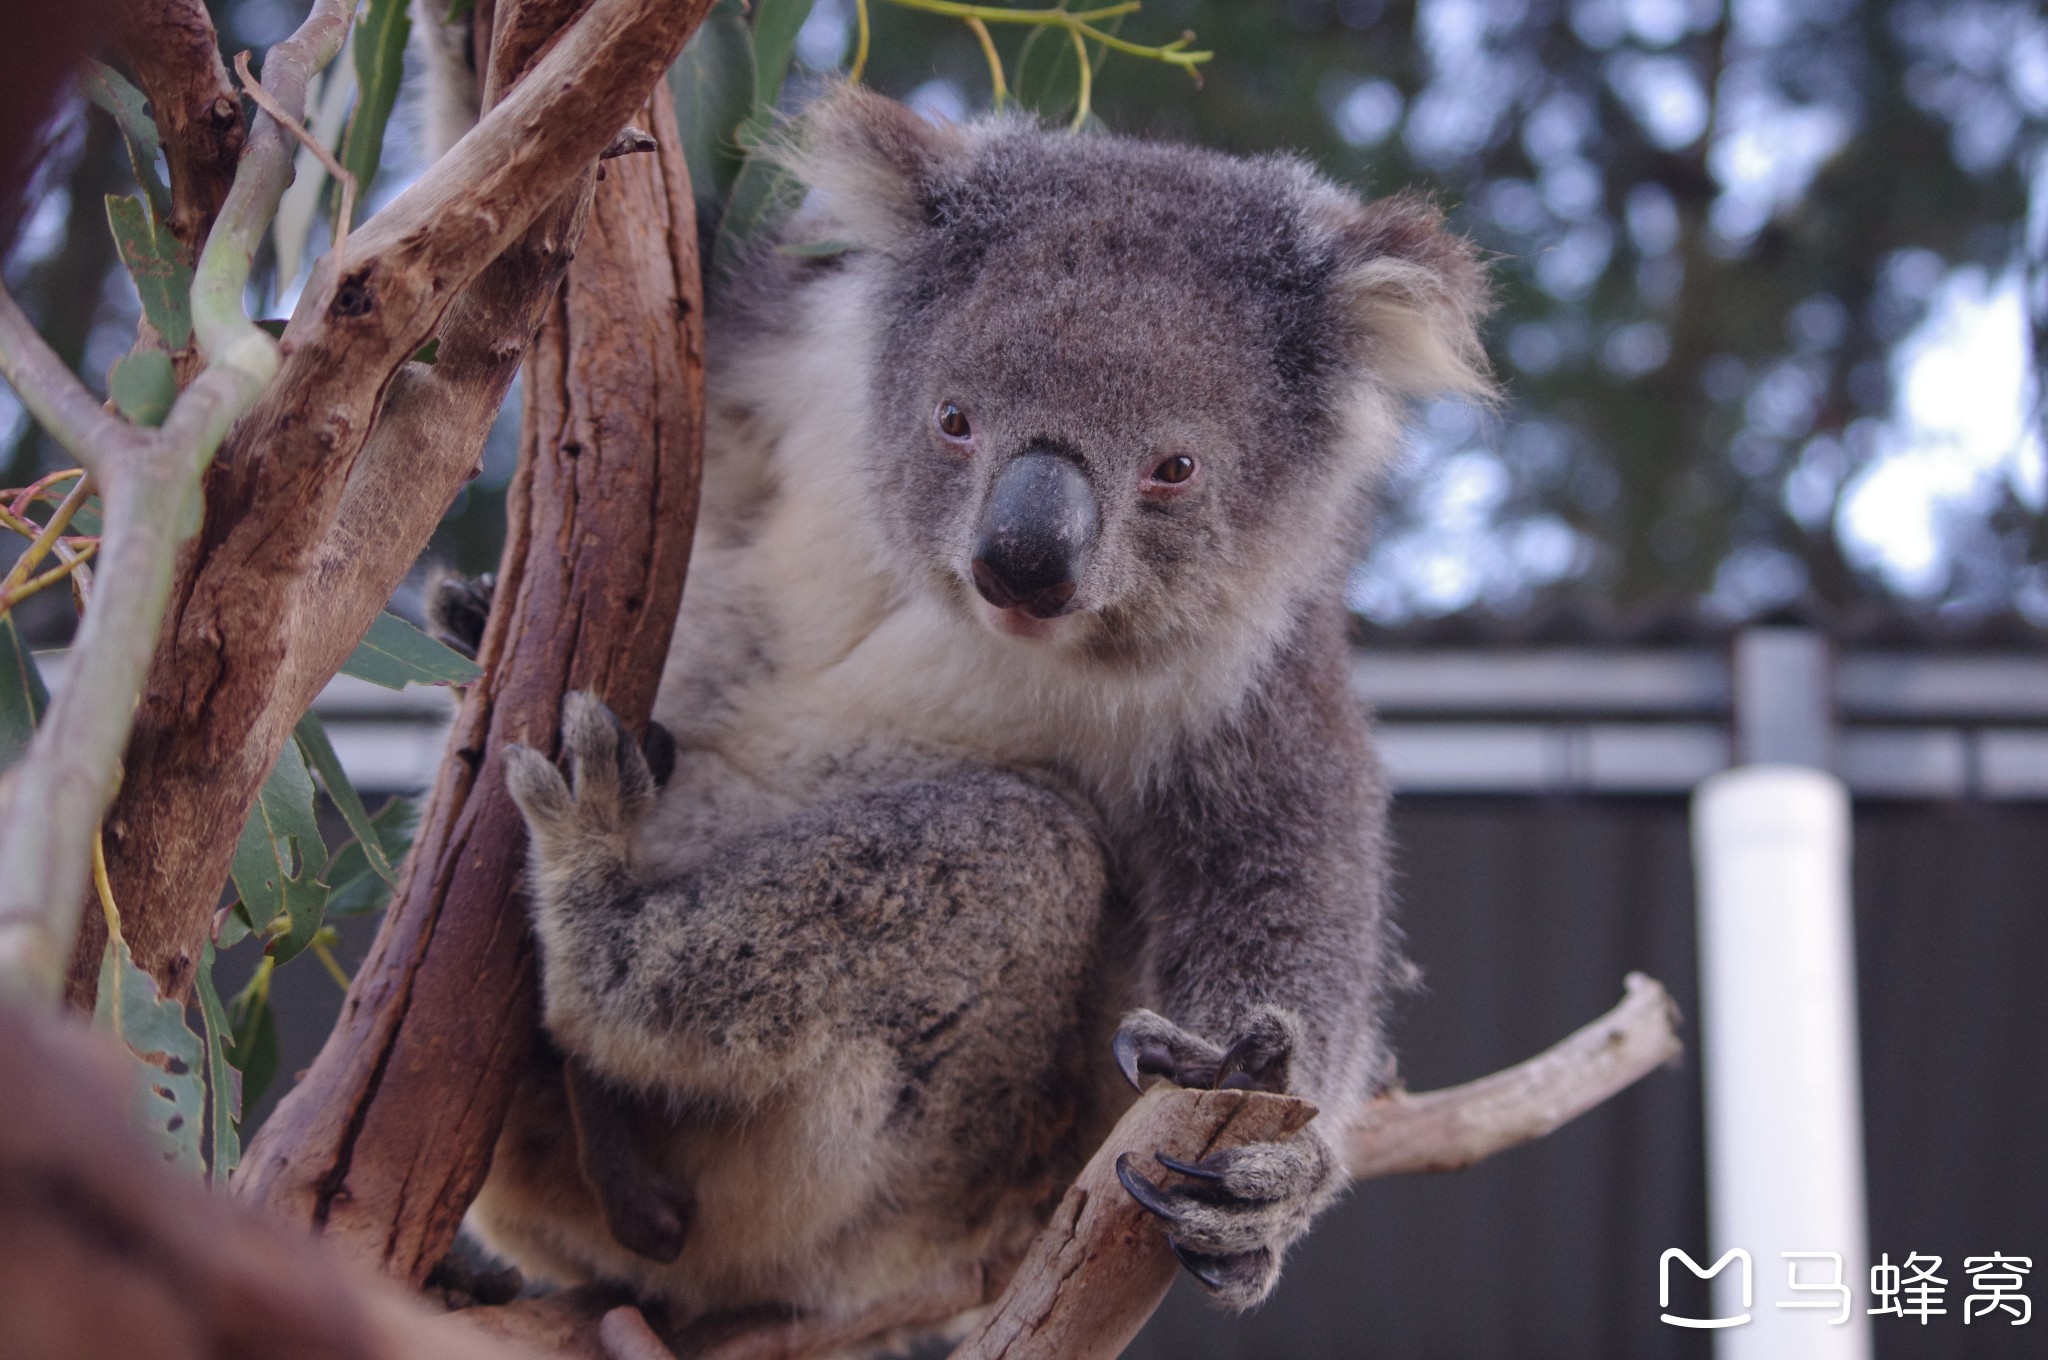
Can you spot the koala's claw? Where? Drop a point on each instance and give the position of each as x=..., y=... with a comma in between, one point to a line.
x=1193, y=1169
x=1149, y=1197
x=1223, y=1276
x=1259, y=1059
x=1220, y=1234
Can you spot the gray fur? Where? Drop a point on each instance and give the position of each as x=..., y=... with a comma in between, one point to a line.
x=862, y=955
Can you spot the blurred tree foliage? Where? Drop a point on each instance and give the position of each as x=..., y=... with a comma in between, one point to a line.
x=1715, y=223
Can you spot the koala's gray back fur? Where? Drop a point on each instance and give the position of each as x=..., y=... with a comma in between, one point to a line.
x=864, y=950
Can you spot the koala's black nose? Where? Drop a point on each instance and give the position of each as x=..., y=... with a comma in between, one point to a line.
x=1035, y=536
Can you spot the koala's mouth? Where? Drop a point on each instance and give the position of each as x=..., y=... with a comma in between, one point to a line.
x=1020, y=623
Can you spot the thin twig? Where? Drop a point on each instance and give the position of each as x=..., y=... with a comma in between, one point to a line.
x=860, y=46
x=344, y=178
x=999, y=87
x=1086, y=99
x=69, y=563
x=40, y=546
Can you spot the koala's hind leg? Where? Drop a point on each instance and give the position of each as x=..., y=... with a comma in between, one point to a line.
x=897, y=991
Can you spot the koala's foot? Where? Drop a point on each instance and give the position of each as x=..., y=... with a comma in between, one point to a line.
x=649, y=1217
x=1231, y=1216
x=647, y=1213
x=595, y=810
x=458, y=607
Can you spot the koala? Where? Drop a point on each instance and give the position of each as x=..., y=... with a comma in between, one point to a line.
x=1013, y=757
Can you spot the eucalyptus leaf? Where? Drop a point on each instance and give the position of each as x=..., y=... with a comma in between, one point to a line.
x=394, y=654
x=223, y=1082
x=712, y=83
x=23, y=696
x=763, y=193
x=776, y=24
x=161, y=278
x=143, y=385
x=168, y=1056
x=255, y=1035
x=280, y=857
x=110, y=90
x=354, y=889
x=319, y=753
x=380, y=39
x=814, y=250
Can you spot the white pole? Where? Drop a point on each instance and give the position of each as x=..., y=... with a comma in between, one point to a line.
x=1779, y=1046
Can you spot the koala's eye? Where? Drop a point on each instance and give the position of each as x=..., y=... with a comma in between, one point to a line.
x=952, y=421
x=1173, y=471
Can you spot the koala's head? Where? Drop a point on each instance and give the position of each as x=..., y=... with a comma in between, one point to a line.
x=1127, y=395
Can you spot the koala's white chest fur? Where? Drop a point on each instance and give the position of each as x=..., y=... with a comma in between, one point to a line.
x=804, y=659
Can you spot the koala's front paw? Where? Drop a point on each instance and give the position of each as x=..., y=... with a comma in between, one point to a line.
x=1260, y=1058
x=458, y=608
x=1232, y=1215
x=608, y=791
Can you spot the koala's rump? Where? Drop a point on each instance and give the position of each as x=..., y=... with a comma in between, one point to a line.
x=952, y=1087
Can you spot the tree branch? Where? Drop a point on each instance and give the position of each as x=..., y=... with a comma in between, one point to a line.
x=149, y=482
x=172, y=48
x=60, y=403
x=277, y=588
x=1451, y=1129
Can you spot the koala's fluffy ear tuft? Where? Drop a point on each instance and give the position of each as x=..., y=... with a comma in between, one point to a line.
x=867, y=160
x=1416, y=292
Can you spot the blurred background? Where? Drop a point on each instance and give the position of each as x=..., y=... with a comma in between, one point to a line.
x=1774, y=301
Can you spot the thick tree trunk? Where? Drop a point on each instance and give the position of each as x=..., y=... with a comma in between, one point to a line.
x=387, y=1139
x=108, y=1252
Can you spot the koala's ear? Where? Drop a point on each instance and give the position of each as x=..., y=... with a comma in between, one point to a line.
x=1415, y=293
x=867, y=160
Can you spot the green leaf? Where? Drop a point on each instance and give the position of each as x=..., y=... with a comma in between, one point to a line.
x=763, y=193
x=162, y=279
x=776, y=23
x=86, y=520
x=255, y=1034
x=814, y=250
x=170, y=1086
x=110, y=90
x=429, y=352
x=356, y=890
x=223, y=1082
x=458, y=10
x=394, y=654
x=319, y=752
x=280, y=857
x=380, y=63
x=143, y=385
x=23, y=696
x=712, y=83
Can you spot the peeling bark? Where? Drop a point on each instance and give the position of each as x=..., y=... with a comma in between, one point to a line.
x=389, y=1136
